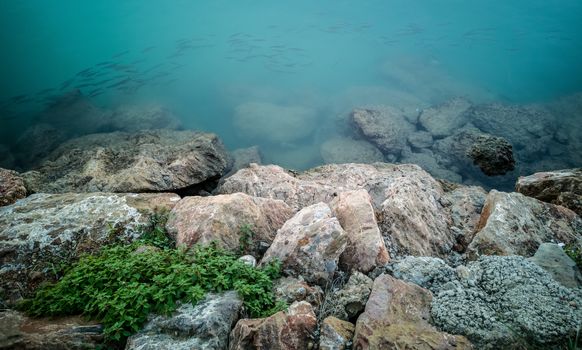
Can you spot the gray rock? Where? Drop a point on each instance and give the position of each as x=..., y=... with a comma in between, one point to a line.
x=18, y=331
x=46, y=229
x=386, y=127
x=562, y=187
x=160, y=160
x=430, y=273
x=506, y=301
x=205, y=326
x=347, y=302
x=11, y=187
x=291, y=289
x=347, y=150
x=553, y=259
x=249, y=260
x=443, y=120
x=309, y=244
x=493, y=155
x=427, y=161
x=335, y=334
x=420, y=139
x=513, y=224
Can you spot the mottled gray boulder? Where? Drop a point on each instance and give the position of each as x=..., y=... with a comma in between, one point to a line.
x=309, y=244
x=386, y=127
x=205, y=326
x=229, y=220
x=347, y=302
x=160, y=160
x=562, y=187
x=513, y=224
x=552, y=258
x=464, y=205
x=148, y=117
x=430, y=273
x=11, y=187
x=291, y=289
x=443, y=120
x=347, y=150
x=335, y=334
x=493, y=155
x=396, y=317
x=42, y=230
x=505, y=302
x=18, y=331
x=420, y=139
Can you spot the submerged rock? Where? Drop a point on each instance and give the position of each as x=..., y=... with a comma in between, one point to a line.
x=443, y=120
x=137, y=118
x=18, y=331
x=347, y=150
x=11, y=187
x=46, y=229
x=289, y=330
x=386, y=127
x=309, y=244
x=513, y=224
x=397, y=315
x=148, y=161
x=222, y=219
x=206, y=325
x=508, y=302
x=561, y=187
x=243, y=157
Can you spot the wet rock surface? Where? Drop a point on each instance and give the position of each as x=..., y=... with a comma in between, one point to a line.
x=205, y=326
x=228, y=220
x=46, y=229
x=11, y=187
x=148, y=161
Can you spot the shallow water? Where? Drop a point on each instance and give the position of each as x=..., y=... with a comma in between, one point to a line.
x=215, y=63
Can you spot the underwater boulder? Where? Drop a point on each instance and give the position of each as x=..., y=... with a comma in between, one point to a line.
x=146, y=161
x=444, y=119
x=347, y=150
x=493, y=155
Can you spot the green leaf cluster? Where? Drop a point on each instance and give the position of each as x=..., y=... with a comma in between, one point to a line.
x=122, y=284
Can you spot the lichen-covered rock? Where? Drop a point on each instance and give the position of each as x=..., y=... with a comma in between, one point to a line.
x=349, y=301
x=205, y=326
x=464, y=205
x=386, y=127
x=146, y=161
x=347, y=150
x=289, y=330
x=222, y=219
x=365, y=249
x=18, y=331
x=309, y=244
x=396, y=317
x=443, y=120
x=493, y=155
x=427, y=272
x=552, y=258
x=562, y=187
x=46, y=229
x=335, y=334
x=291, y=289
x=11, y=187
x=513, y=224
x=506, y=301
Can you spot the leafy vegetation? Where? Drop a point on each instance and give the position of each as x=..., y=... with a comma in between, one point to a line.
x=246, y=237
x=574, y=251
x=123, y=283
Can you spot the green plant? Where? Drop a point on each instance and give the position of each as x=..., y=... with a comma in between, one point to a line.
x=574, y=251
x=246, y=238
x=154, y=232
x=122, y=284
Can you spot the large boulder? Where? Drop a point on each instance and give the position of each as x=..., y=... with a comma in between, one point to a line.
x=562, y=187
x=552, y=258
x=443, y=120
x=508, y=302
x=46, y=230
x=386, y=127
x=18, y=331
x=365, y=249
x=147, y=161
x=347, y=150
x=263, y=121
x=309, y=244
x=205, y=325
x=513, y=224
x=223, y=219
x=11, y=187
x=493, y=155
x=396, y=317
x=288, y=330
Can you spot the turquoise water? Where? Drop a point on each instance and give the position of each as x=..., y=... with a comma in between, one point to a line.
x=204, y=59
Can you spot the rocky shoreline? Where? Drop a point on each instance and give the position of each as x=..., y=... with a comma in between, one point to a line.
x=374, y=256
